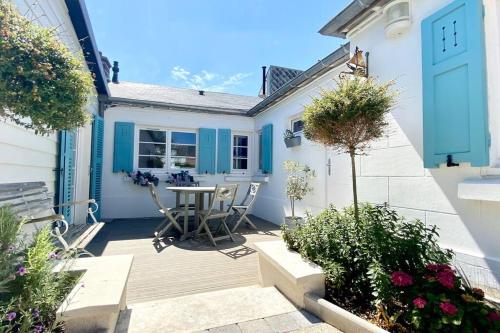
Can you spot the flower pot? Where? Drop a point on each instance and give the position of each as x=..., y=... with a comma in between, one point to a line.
x=293, y=142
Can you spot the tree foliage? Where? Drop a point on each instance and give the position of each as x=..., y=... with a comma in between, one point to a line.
x=43, y=86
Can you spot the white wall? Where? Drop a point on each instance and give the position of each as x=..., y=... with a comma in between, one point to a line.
x=123, y=199
x=29, y=157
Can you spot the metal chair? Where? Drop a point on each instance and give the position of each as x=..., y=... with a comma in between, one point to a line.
x=242, y=209
x=223, y=193
x=170, y=214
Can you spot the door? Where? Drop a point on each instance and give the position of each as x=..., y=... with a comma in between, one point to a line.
x=67, y=144
x=96, y=163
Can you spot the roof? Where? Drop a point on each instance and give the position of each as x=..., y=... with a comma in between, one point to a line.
x=333, y=60
x=180, y=98
x=340, y=24
x=277, y=76
x=81, y=23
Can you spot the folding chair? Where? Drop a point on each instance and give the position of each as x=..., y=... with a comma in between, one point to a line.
x=242, y=209
x=222, y=194
x=170, y=214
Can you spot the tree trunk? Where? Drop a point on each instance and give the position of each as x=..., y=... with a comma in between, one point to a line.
x=292, y=203
x=354, y=184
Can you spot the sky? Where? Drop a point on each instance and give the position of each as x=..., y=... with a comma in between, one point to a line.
x=214, y=45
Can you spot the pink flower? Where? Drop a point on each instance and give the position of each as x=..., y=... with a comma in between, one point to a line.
x=446, y=278
x=494, y=316
x=419, y=302
x=22, y=271
x=401, y=279
x=448, y=308
x=11, y=316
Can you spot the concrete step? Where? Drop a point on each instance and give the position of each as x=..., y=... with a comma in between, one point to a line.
x=215, y=310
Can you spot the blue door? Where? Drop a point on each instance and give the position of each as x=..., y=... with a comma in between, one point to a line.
x=96, y=163
x=66, y=172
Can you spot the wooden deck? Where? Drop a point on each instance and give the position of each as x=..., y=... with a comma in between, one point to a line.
x=174, y=268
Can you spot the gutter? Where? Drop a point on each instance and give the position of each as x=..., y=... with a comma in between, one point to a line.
x=81, y=23
x=336, y=26
x=336, y=58
x=113, y=101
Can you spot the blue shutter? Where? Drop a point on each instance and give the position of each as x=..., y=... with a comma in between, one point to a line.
x=224, y=151
x=67, y=172
x=123, y=154
x=454, y=85
x=96, y=162
x=267, y=149
x=206, y=147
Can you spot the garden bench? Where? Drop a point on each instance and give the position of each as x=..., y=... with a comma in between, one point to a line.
x=33, y=202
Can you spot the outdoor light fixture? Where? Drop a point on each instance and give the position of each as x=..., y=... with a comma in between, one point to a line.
x=397, y=18
x=358, y=64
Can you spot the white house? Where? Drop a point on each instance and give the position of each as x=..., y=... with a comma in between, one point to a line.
x=439, y=161
x=66, y=169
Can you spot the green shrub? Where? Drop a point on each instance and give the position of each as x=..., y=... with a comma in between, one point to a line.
x=43, y=86
x=32, y=292
x=360, y=258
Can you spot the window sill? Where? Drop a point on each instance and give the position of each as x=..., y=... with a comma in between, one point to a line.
x=485, y=189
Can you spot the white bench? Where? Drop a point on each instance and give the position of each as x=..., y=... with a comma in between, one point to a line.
x=293, y=275
x=94, y=304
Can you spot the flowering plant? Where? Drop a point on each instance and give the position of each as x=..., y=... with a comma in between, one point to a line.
x=143, y=178
x=298, y=182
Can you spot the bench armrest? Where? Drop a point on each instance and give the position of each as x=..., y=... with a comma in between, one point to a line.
x=55, y=217
x=80, y=202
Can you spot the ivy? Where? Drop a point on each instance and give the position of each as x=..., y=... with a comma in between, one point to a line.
x=43, y=86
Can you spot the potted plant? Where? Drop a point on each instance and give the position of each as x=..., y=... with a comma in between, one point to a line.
x=291, y=140
x=298, y=186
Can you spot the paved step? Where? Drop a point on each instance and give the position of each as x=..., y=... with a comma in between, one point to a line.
x=214, y=310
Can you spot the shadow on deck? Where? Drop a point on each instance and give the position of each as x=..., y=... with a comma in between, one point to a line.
x=172, y=268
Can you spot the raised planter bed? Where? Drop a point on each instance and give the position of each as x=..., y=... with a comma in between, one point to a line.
x=303, y=282
x=94, y=304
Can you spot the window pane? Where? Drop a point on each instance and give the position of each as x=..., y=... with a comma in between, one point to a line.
x=240, y=152
x=297, y=126
x=184, y=138
x=153, y=162
x=183, y=150
x=152, y=136
x=240, y=140
x=240, y=163
x=152, y=149
x=183, y=162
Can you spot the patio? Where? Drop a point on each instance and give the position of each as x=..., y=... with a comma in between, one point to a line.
x=172, y=268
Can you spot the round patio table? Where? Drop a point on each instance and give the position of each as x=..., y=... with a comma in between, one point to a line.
x=199, y=195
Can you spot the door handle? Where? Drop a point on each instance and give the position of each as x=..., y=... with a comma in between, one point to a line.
x=329, y=165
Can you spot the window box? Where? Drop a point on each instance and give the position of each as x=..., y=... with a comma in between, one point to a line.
x=293, y=142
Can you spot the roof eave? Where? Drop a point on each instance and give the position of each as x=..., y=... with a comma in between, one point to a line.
x=336, y=26
x=331, y=61
x=179, y=107
x=81, y=22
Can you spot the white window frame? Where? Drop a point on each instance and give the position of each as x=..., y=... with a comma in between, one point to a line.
x=168, y=152
x=259, y=151
x=138, y=145
x=293, y=121
x=249, y=159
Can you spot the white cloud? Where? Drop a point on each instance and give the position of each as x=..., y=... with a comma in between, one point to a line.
x=206, y=80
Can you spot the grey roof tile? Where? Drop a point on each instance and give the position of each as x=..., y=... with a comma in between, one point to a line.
x=142, y=92
x=278, y=76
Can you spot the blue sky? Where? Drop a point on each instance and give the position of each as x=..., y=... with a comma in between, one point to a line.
x=215, y=45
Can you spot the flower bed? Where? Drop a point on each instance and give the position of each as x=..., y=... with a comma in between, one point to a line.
x=391, y=272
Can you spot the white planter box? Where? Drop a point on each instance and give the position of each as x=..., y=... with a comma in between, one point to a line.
x=94, y=304
x=303, y=282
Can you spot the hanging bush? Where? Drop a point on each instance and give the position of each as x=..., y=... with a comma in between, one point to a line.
x=43, y=86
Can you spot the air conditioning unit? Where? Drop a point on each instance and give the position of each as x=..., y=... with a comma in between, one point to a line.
x=397, y=18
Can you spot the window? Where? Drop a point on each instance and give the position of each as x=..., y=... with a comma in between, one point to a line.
x=152, y=149
x=297, y=125
x=240, y=152
x=183, y=150
x=260, y=150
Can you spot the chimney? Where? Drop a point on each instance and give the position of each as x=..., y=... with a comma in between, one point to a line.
x=106, y=65
x=115, y=72
x=264, y=80
x=201, y=92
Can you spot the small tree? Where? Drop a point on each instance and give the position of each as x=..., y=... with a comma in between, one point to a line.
x=298, y=182
x=349, y=117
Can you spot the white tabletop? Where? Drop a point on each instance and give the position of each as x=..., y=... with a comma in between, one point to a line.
x=192, y=189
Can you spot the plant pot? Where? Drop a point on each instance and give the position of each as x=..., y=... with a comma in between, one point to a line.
x=293, y=142
x=293, y=222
